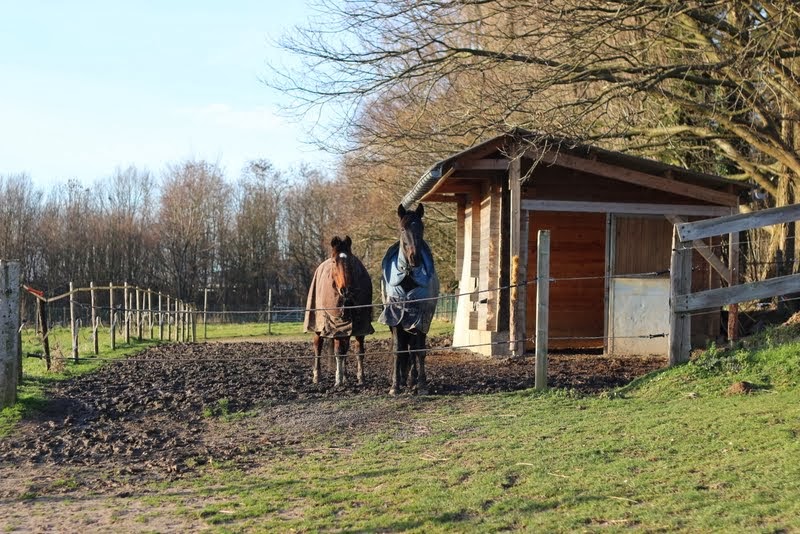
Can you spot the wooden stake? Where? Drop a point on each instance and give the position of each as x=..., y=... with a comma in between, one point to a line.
x=112, y=316
x=95, y=343
x=542, y=307
x=73, y=323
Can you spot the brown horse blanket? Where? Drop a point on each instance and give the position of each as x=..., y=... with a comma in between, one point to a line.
x=326, y=311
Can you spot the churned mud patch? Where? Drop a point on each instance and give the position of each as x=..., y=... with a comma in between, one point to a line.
x=167, y=411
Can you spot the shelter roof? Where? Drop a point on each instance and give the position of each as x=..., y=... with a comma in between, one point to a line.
x=457, y=174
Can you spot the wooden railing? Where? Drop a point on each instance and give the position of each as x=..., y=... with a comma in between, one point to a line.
x=136, y=309
x=683, y=301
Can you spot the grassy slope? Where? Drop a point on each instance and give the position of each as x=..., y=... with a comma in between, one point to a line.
x=672, y=452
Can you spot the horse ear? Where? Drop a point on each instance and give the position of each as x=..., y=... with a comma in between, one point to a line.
x=335, y=241
x=347, y=242
x=401, y=211
x=420, y=210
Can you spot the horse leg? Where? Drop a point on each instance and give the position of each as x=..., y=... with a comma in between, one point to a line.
x=397, y=371
x=315, y=367
x=340, y=345
x=422, y=378
x=360, y=360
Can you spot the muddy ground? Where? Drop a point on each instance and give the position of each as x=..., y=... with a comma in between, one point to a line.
x=154, y=413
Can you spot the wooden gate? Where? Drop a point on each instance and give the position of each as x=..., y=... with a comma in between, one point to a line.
x=683, y=301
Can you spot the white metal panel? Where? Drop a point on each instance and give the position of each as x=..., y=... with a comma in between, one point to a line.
x=638, y=308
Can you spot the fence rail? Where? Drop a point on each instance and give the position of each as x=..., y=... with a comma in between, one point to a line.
x=127, y=317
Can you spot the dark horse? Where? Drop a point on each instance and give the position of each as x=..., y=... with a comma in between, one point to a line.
x=339, y=306
x=409, y=295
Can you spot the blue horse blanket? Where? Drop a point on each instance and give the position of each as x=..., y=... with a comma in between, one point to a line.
x=398, y=310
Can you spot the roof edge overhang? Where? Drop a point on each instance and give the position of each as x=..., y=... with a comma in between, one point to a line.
x=441, y=170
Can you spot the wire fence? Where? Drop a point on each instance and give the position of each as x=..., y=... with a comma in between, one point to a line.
x=141, y=319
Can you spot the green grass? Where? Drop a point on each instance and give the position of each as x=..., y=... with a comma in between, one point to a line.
x=534, y=462
x=292, y=330
x=672, y=452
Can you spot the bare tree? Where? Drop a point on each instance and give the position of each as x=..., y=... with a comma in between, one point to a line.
x=128, y=213
x=193, y=211
x=309, y=208
x=711, y=84
x=20, y=208
x=252, y=251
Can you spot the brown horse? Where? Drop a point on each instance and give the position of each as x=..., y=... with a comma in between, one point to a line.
x=339, y=307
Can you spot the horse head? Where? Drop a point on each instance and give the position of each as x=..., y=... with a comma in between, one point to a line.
x=412, y=232
x=341, y=254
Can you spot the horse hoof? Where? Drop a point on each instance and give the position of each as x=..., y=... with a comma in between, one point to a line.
x=393, y=392
x=422, y=391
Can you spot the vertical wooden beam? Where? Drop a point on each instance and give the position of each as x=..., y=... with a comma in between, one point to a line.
x=111, y=316
x=73, y=322
x=542, y=307
x=95, y=342
x=9, y=332
x=611, y=246
x=515, y=342
x=680, y=284
x=461, y=208
x=733, y=266
x=475, y=254
x=522, y=289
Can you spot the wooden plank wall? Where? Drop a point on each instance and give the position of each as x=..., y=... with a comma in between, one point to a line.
x=577, y=249
x=489, y=258
x=643, y=244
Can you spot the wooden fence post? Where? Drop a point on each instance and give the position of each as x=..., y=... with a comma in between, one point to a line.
x=9, y=332
x=194, y=324
x=269, y=313
x=111, y=316
x=160, y=319
x=95, y=343
x=205, y=312
x=150, y=311
x=177, y=320
x=139, y=305
x=73, y=321
x=169, y=322
x=126, y=313
x=542, y=307
x=680, y=284
x=41, y=306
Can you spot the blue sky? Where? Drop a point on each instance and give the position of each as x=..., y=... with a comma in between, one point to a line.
x=88, y=86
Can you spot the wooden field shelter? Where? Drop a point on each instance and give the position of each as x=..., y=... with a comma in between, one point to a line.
x=611, y=218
